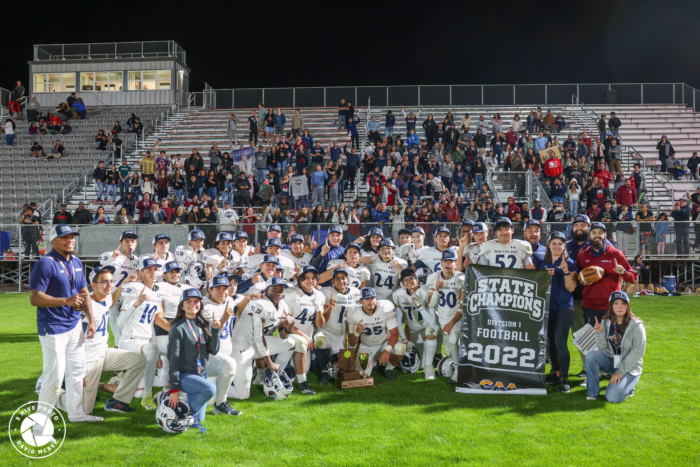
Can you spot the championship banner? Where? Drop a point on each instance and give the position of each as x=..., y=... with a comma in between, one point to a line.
x=503, y=345
x=299, y=186
x=237, y=155
x=546, y=152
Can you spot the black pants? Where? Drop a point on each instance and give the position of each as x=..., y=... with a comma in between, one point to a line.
x=352, y=174
x=242, y=201
x=560, y=322
x=590, y=315
x=429, y=139
x=253, y=136
x=355, y=141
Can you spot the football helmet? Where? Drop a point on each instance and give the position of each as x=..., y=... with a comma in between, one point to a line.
x=333, y=367
x=446, y=367
x=277, y=386
x=176, y=420
x=196, y=275
x=320, y=340
x=410, y=363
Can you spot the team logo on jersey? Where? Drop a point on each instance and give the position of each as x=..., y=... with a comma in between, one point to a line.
x=37, y=430
x=507, y=293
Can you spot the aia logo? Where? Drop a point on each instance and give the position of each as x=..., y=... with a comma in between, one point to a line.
x=489, y=385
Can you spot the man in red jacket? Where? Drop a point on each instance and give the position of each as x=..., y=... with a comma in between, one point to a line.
x=552, y=167
x=603, y=175
x=626, y=195
x=596, y=296
x=512, y=209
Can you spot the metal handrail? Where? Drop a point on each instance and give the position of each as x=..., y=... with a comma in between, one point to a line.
x=362, y=146
x=73, y=186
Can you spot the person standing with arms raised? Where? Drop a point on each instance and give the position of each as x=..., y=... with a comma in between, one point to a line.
x=58, y=288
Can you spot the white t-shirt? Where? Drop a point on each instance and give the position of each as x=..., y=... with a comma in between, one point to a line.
x=356, y=276
x=377, y=325
x=228, y=216
x=336, y=321
x=448, y=295
x=517, y=254
x=96, y=347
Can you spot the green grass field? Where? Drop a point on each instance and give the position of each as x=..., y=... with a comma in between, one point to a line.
x=409, y=422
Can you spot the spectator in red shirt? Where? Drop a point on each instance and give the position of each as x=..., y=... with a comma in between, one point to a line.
x=603, y=174
x=617, y=269
x=144, y=206
x=626, y=194
x=512, y=208
x=552, y=167
x=594, y=210
x=511, y=137
x=165, y=207
x=452, y=213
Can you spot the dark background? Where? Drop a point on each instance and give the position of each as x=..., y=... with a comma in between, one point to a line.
x=303, y=44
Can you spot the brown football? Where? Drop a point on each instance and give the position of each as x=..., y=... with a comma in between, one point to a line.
x=591, y=275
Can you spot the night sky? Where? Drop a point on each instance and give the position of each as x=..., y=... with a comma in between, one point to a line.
x=390, y=43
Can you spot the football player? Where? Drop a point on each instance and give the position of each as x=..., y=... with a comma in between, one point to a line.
x=257, y=283
x=142, y=302
x=416, y=246
x=339, y=298
x=171, y=291
x=124, y=263
x=193, y=251
x=219, y=259
x=354, y=265
x=431, y=257
x=505, y=251
x=445, y=295
x=218, y=306
x=161, y=247
x=404, y=237
x=306, y=305
x=386, y=270
x=241, y=251
x=252, y=338
x=465, y=230
x=370, y=245
x=468, y=253
x=296, y=253
x=273, y=231
x=375, y=320
x=236, y=298
x=272, y=247
x=411, y=302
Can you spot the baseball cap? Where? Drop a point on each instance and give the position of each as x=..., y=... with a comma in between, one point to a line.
x=160, y=237
x=532, y=222
x=503, y=220
x=467, y=222
x=172, y=266
x=99, y=269
x=145, y=263
x=273, y=281
x=404, y=231
x=337, y=271
x=238, y=277
x=190, y=293
x=449, y=255
x=195, y=235
x=126, y=234
x=217, y=281
x=367, y=292
x=296, y=238
x=274, y=227
x=582, y=218
x=480, y=227
x=239, y=235
x=308, y=268
x=61, y=230
x=376, y=231
x=354, y=245
x=419, y=230
x=273, y=242
x=598, y=225
x=442, y=230
x=408, y=272
x=222, y=237
x=558, y=235
x=269, y=259
x=335, y=229
x=386, y=242
x=279, y=267
x=619, y=295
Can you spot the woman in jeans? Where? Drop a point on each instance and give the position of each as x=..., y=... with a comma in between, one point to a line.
x=9, y=127
x=561, y=308
x=192, y=339
x=478, y=171
x=622, y=340
x=177, y=182
x=574, y=195
x=211, y=183
x=136, y=186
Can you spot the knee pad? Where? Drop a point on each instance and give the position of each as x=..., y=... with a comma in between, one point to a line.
x=300, y=344
x=400, y=348
x=431, y=331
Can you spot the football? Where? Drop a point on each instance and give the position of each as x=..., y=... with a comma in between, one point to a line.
x=591, y=275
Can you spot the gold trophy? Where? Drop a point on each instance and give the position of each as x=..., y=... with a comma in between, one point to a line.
x=365, y=360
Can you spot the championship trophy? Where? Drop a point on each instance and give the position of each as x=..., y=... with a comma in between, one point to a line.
x=364, y=359
x=347, y=377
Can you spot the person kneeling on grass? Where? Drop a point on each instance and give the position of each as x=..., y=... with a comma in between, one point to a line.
x=621, y=338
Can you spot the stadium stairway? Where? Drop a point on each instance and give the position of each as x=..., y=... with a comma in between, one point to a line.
x=642, y=126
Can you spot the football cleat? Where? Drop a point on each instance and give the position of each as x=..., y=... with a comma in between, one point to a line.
x=225, y=409
x=259, y=377
x=305, y=389
x=114, y=405
x=147, y=402
x=389, y=374
x=582, y=374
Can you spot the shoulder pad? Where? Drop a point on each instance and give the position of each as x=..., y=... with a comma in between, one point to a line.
x=524, y=246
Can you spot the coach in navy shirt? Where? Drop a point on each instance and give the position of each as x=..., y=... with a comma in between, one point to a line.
x=57, y=286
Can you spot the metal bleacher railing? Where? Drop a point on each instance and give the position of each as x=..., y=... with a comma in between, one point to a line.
x=106, y=50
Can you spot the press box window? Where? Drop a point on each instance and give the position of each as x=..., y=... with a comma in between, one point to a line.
x=54, y=82
x=107, y=81
x=149, y=80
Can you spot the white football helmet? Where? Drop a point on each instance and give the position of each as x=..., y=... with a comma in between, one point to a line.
x=196, y=275
x=173, y=421
x=320, y=340
x=446, y=367
x=410, y=363
x=277, y=386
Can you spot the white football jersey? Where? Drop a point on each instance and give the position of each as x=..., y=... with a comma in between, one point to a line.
x=448, y=295
x=336, y=321
x=356, y=276
x=168, y=257
x=404, y=251
x=171, y=298
x=253, y=264
x=432, y=257
x=472, y=253
x=364, y=253
x=96, y=347
x=303, y=261
x=517, y=254
x=235, y=300
x=240, y=260
x=185, y=254
x=386, y=279
x=122, y=264
x=304, y=307
x=214, y=257
x=243, y=330
x=212, y=310
x=377, y=325
x=139, y=324
x=406, y=306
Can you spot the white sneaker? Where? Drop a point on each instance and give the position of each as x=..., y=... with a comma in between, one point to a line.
x=86, y=418
x=259, y=377
x=591, y=398
x=583, y=385
x=429, y=372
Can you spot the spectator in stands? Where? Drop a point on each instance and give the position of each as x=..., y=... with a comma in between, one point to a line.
x=148, y=165
x=550, y=123
x=675, y=167
x=373, y=128
x=193, y=164
x=253, y=127
x=242, y=191
x=136, y=186
x=645, y=228
x=101, y=217
x=342, y=108
x=82, y=216
x=232, y=129
x=553, y=167
x=614, y=124
x=626, y=194
x=179, y=217
x=177, y=182
x=603, y=175
x=280, y=121
x=9, y=128
x=214, y=157
x=389, y=122
x=37, y=150
x=614, y=158
x=162, y=182
x=33, y=130
x=318, y=179
x=693, y=164
x=269, y=126
x=353, y=132
x=80, y=106
x=156, y=216
x=123, y=217
x=148, y=186
x=124, y=174
x=63, y=216
x=144, y=206
x=117, y=128
x=661, y=227
x=574, y=195
x=681, y=217
x=112, y=177
x=70, y=101
x=100, y=176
